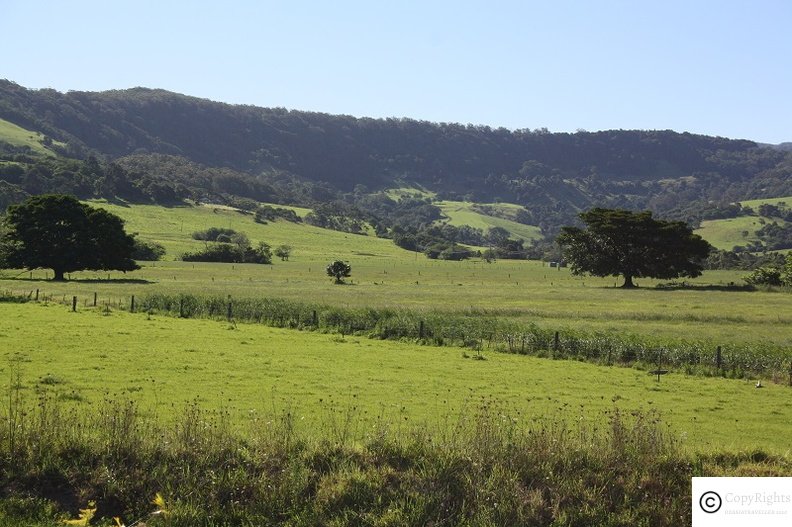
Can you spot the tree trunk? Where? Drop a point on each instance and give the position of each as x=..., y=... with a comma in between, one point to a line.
x=58, y=275
x=628, y=283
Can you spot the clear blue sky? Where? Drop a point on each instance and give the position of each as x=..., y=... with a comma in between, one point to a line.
x=712, y=67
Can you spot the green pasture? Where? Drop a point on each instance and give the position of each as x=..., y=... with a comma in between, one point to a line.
x=384, y=275
x=782, y=202
x=18, y=136
x=398, y=193
x=462, y=213
x=327, y=381
x=173, y=226
x=525, y=291
x=726, y=233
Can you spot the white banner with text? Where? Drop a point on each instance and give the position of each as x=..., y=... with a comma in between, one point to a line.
x=759, y=502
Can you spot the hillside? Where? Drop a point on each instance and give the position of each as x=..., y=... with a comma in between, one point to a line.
x=273, y=154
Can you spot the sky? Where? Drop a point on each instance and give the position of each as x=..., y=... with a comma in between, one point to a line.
x=709, y=67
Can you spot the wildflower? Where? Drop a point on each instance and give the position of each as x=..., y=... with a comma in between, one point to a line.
x=85, y=515
x=159, y=501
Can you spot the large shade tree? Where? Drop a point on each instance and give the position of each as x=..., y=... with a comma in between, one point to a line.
x=60, y=233
x=632, y=245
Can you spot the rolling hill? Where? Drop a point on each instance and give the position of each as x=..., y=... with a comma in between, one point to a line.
x=198, y=148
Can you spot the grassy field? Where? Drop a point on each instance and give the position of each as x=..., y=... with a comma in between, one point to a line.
x=462, y=213
x=384, y=275
x=783, y=202
x=164, y=363
x=726, y=233
x=244, y=424
x=18, y=136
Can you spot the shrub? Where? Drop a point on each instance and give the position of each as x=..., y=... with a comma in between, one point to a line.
x=212, y=234
x=227, y=253
x=148, y=251
x=765, y=276
x=267, y=213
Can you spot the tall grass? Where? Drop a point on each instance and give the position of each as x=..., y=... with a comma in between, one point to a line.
x=484, y=468
x=483, y=329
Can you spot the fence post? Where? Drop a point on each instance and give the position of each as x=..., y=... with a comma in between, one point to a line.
x=132, y=304
x=556, y=342
x=181, y=308
x=94, y=305
x=36, y=295
x=229, y=311
x=718, y=360
x=421, y=330
x=74, y=304
x=315, y=318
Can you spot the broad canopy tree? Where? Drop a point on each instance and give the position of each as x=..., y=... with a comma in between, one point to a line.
x=60, y=233
x=633, y=245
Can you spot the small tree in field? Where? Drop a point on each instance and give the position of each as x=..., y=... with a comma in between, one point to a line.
x=283, y=252
x=339, y=270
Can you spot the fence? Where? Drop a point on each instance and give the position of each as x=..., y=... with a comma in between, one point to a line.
x=474, y=330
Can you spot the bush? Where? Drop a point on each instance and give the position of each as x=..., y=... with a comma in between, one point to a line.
x=228, y=253
x=212, y=234
x=765, y=276
x=267, y=213
x=148, y=251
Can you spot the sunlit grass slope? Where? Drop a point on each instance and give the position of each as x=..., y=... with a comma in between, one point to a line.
x=726, y=233
x=462, y=213
x=18, y=136
x=782, y=202
x=164, y=362
x=173, y=226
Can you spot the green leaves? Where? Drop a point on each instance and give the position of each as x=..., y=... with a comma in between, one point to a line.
x=632, y=244
x=58, y=232
x=339, y=270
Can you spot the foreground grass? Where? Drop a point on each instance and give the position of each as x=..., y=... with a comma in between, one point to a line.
x=482, y=470
x=326, y=380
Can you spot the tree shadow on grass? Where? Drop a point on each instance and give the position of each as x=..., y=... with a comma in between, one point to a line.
x=683, y=286
x=81, y=280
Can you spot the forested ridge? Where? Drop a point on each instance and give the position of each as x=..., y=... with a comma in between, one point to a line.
x=161, y=146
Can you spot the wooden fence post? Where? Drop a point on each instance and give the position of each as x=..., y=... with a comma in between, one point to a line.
x=94, y=305
x=132, y=304
x=718, y=360
x=74, y=304
x=421, y=330
x=556, y=341
x=181, y=308
x=315, y=318
x=229, y=311
x=37, y=295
